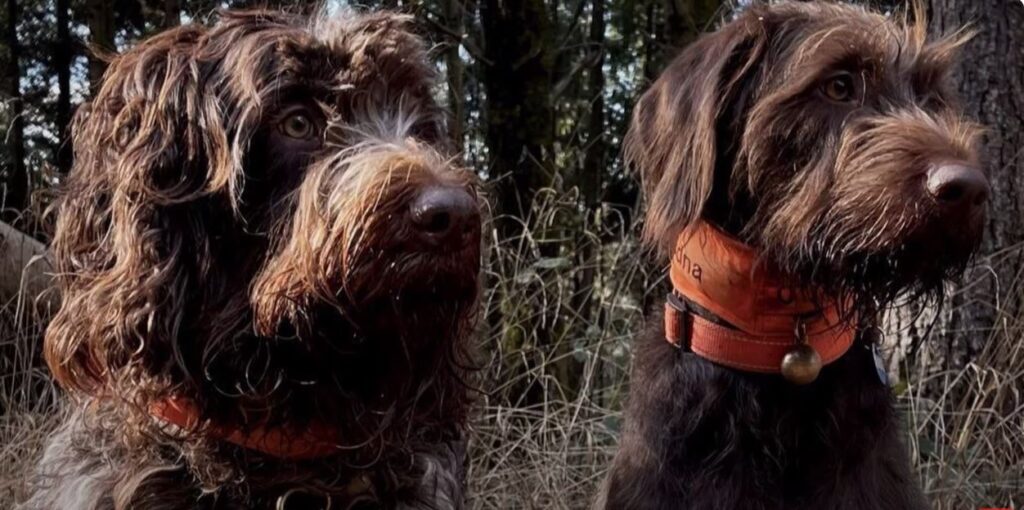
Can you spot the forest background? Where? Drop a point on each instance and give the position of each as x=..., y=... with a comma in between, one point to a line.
x=540, y=93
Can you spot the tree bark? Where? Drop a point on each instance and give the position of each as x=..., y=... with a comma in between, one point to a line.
x=990, y=78
x=62, y=56
x=519, y=112
x=15, y=186
x=101, y=37
x=590, y=182
x=517, y=78
x=687, y=19
x=681, y=23
x=596, y=149
x=652, y=52
x=454, y=14
x=172, y=13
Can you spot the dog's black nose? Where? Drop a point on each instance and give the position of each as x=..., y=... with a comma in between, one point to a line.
x=444, y=214
x=958, y=186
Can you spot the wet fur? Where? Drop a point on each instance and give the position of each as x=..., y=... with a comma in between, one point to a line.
x=705, y=437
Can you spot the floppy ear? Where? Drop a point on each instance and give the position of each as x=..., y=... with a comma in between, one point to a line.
x=672, y=139
x=147, y=148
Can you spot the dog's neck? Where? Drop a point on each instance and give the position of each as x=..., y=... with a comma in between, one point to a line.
x=758, y=322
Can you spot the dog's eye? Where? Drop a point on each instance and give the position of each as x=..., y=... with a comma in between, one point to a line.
x=298, y=125
x=840, y=88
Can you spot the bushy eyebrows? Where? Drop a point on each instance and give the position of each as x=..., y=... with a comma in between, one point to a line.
x=838, y=48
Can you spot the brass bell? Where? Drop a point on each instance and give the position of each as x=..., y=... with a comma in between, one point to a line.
x=801, y=364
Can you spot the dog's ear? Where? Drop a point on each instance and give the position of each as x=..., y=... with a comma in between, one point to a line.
x=147, y=148
x=672, y=139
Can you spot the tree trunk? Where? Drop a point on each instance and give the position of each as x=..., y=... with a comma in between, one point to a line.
x=590, y=182
x=517, y=78
x=15, y=186
x=990, y=79
x=671, y=26
x=595, y=159
x=520, y=117
x=454, y=19
x=62, y=55
x=101, y=37
x=686, y=20
x=172, y=13
x=596, y=149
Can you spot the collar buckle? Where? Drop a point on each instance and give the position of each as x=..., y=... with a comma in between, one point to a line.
x=677, y=322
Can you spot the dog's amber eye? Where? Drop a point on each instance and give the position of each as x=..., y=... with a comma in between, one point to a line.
x=840, y=88
x=298, y=125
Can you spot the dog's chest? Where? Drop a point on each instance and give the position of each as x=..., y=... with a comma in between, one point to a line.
x=716, y=439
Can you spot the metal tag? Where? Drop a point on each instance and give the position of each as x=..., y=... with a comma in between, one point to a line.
x=883, y=374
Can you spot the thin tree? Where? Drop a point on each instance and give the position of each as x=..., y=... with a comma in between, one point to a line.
x=15, y=192
x=62, y=57
x=590, y=180
x=454, y=19
x=517, y=77
x=100, y=16
x=687, y=19
x=172, y=13
x=520, y=117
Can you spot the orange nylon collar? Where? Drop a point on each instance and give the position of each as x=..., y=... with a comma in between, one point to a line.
x=313, y=442
x=720, y=274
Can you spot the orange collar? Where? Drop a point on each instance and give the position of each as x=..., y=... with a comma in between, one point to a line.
x=313, y=442
x=770, y=320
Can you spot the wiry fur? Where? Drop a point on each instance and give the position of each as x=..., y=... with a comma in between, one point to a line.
x=738, y=132
x=270, y=281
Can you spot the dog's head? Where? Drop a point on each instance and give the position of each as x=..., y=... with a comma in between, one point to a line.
x=264, y=216
x=824, y=135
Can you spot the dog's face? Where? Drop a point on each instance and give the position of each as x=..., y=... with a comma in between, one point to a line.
x=265, y=211
x=824, y=135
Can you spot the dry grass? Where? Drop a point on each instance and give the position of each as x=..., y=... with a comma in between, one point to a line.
x=26, y=400
x=965, y=426
x=563, y=300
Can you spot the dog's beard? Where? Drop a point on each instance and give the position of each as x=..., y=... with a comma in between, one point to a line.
x=329, y=359
x=425, y=277
x=860, y=228
x=911, y=267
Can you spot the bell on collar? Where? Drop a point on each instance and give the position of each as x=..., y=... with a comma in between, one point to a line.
x=802, y=364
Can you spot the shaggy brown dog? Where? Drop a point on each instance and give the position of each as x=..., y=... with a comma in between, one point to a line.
x=826, y=139
x=269, y=269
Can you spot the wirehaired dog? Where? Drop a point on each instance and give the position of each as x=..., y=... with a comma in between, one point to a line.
x=269, y=270
x=804, y=166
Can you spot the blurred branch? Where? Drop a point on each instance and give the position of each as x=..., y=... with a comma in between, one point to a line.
x=575, y=20
x=594, y=57
x=460, y=39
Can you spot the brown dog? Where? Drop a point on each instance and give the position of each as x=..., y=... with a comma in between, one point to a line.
x=805, y=165
x=269, y=268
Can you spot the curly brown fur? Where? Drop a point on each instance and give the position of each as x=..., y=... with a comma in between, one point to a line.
x=235, y=231
x=744, y=129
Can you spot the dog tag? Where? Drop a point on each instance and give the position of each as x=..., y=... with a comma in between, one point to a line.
x=883, y=374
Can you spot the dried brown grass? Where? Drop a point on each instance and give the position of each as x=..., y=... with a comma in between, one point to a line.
x=556, y=375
